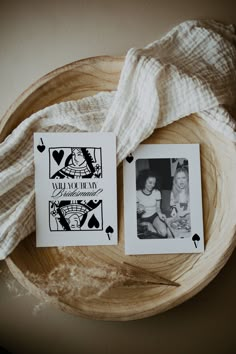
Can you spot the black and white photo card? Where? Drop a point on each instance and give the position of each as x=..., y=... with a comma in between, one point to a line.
x=162, y=200
x=75, y=187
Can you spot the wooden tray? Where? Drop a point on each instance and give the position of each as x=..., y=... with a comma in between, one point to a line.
x=191, y=271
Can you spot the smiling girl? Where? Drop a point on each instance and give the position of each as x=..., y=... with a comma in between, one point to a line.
x=148, y=204
x=179, y=199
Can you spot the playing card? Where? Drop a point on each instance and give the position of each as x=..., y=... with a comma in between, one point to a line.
x=75, y=186
x=162, y=200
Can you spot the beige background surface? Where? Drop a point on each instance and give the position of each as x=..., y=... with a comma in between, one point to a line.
x=35, y=38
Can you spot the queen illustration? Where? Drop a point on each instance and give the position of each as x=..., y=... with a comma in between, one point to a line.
x=70, y=215
x=79, y=164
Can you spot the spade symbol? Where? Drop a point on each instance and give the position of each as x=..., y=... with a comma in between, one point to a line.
x=93, y=222
x=129, y=158
x=195, y=239
x=58, y=156
x=109, y=230
x=41, y=147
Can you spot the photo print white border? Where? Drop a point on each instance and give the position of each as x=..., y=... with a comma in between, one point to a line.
x=135, y=245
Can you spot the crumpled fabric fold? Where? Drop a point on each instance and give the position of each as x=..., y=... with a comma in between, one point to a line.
x=192, y=69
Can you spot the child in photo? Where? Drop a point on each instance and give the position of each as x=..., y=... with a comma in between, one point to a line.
x=150, y=216
x=179, y=198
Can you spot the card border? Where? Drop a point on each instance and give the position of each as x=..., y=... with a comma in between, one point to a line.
x=106, y=141
x=134, y=245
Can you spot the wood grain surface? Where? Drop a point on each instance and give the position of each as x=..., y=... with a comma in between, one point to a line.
x=191, y=271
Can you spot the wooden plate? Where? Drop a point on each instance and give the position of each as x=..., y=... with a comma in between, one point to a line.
x=191, y=271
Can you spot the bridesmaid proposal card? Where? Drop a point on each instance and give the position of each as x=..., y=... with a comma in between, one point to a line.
x=162, y=200
x=75, y=186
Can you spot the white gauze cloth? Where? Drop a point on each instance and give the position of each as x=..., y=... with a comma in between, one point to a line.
x=192, y=69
